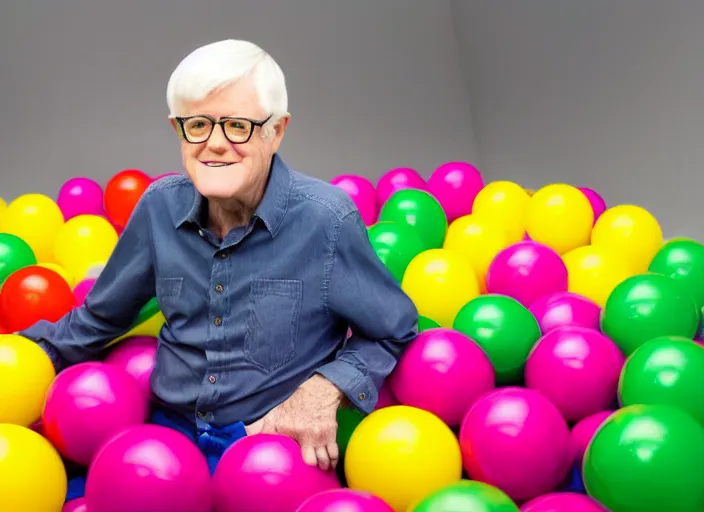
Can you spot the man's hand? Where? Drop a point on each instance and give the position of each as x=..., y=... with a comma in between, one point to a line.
x=309, y=416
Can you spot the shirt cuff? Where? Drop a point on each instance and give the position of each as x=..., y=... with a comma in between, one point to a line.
x=354, y=383
x=56, y=359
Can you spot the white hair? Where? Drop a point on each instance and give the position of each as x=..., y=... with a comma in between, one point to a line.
x=217, y=65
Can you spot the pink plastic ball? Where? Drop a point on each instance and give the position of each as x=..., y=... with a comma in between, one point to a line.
x=455, y=185
x=82, y=289
x=563, y=502
x=442, y=372
x=583, y=432
x=267, y=473
x=577, y=369
x=80, y=196
x=516, y=440
x=595, y=200
x=565, y=308
x=344, y=500
x=87, y=404
x=397, y=179
x=362, y=192
x=136, y=356
x=386, y=397
x=149, y=468
x=77, y=505
x=527, y=271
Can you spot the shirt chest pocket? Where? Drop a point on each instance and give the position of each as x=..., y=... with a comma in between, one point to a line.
x=169, y=292
x=272, y=322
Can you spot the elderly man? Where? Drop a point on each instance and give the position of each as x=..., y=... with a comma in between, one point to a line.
x=258, y=269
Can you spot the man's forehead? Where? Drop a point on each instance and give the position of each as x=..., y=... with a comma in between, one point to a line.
x=231, y=101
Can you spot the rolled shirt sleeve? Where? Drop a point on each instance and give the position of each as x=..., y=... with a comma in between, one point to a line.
x=124, y=286
x=383, y=319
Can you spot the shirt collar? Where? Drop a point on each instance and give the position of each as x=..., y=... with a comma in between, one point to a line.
x=271, y=209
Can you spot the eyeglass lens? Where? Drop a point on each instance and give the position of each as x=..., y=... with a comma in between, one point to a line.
x=198, y=129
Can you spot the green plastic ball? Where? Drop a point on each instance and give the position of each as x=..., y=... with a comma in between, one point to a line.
x=396, y=245
x=15, y=254
x=667, y=371
x=347, y=420
x=419, y=210
x=647, y=458
x=425, y=323
x=683, y=261
x=648, y=306
x=504, y=328
x=467, y=495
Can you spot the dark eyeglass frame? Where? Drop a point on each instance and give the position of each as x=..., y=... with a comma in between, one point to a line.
x=253, y=123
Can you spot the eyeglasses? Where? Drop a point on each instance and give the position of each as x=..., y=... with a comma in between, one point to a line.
x=198, y=129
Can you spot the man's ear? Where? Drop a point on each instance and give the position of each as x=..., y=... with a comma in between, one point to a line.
x=279, y=130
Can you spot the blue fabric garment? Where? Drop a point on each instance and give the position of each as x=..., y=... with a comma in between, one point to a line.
x=253, y=316
x=211, y=441
x=76, y=488
x=573, y=482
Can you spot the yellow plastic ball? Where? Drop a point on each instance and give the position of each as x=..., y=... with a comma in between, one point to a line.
x=26, y=373
x=440, y=282
x=3, y=205
x=61, y=271
x=32, y=475
x=479, y=239
x=561, y=217
x=36, y=219
x=402, y=454
x=82, y=242
x=594, y=271
x=506, y=202
x=632, y=231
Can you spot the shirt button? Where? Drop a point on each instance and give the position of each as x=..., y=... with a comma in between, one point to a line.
x=200, y=414
x=218, y=321
x=219, y=288
x=212, y=379
x=223, y=255
x=362, y=396
x=200, y=232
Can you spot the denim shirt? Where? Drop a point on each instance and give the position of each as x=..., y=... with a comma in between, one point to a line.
x=251, y=317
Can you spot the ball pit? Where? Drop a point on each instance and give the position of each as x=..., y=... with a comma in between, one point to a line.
x=584, y=316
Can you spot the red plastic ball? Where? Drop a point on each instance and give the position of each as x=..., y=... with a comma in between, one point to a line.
x=122, y=193
x=34, y=293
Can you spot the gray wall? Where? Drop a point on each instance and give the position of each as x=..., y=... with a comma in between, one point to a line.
x=372, y=85
x=601, y=93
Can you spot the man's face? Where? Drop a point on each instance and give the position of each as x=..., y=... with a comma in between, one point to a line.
x=220, y=169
